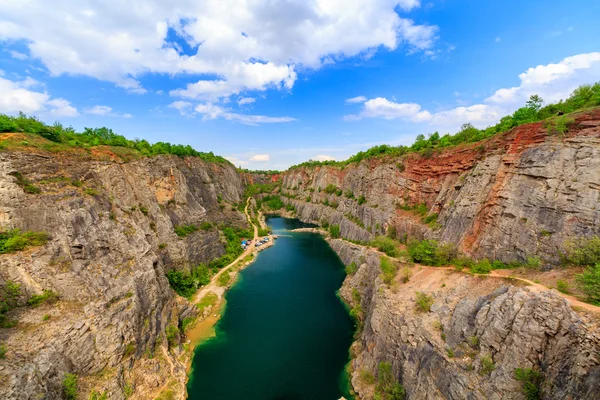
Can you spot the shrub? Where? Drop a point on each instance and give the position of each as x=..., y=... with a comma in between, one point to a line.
x=386, y=245
x=533, y=262
x=423, y=302
x=392, y=233
x=97, y=396
x=206, y=226
x=387, y=386
x=2, y=351
x=473, y=341
x=272, y=202
x=366, y=377
x=388, y=268
x=351, y=269
x=182, y=283
x=224, y=279
x=406, y=274
x=185, y=230
x=15, y=240
x=9, y=294
x=334, y=231
x=70, y=388
x=172, y=334
x=562, y=286
x=47, y=296
x=532, y=382
x=349, y=194
x=263, y=232
x=429, y=252
x=361, y=200
x=487, y=365
x=330, y=189
x=589, y=282
x=482, y=267
x=25, y=184
x=582, y=251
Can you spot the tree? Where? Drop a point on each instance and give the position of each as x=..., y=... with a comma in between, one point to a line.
x=534, y=102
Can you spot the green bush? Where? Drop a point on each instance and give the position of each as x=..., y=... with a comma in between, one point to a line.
x=532, y=382
x=423, y=301
x=487, y=365
x=172, y=334
x=9, y=295
x=589, y=282
x=582, y=251
x=334, y=231
x=387, y=386
x=47, y=296
x=331, y=189
x=272, y=202
x=366, y=377
x=25, y=184
x=224, y=279
x=482, y=267
x=361, y=200
x=206, y=226
x=351, y=269
x=386, y=245
x=2, y=351
x=70, y=388
x=185, y=230
x=15, y=240
x=388, y=268
x=533, y=262
x=562, y=286
x=97, y=396
x=182, y=283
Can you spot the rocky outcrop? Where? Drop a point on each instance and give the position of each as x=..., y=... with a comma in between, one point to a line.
x=112, y=239
x=516, y=195
x=479, y=330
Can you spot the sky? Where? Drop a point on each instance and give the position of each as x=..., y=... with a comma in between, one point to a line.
x=272, y=83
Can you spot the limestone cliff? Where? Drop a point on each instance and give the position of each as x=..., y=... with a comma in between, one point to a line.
x=519, y=194
x=479, y=330
x=111, y=227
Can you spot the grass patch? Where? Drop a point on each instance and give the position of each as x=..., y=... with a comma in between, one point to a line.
x=224, y=279
x=388, y=269
x=15, y=240
x=70, y=387
x=351, y=269
x=334, y=231
x=487, y=365
x=185, y=230
x=423, y=302
x=387, y=387
x=47, y=296
x=366, y=377
x=209, y=300
x=26, y=184
x=532, y=382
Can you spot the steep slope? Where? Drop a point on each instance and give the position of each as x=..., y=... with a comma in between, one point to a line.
x=478, y=331
x=515, y=195
x=112, y=239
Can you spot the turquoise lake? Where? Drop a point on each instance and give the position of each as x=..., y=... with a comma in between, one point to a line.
x=284, y=334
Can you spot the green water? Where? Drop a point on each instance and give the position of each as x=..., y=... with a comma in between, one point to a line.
x=285, y=335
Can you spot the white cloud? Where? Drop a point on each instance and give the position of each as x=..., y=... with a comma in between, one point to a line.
x=251, y=45
x=16, y=96
x=260, y=157
x=324, y=157
x=19, y=56
x=245, y=100
x=214, y=111
x=236, y=161
x=357, y=99
x=552, y=82
x=105, y=111
x=182, y=106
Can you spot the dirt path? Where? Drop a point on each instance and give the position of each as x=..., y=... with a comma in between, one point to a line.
x=213, y=285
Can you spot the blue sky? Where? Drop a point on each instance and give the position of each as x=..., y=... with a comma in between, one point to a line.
x=269, y=84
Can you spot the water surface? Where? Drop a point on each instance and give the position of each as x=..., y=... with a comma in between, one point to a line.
x=284, y=334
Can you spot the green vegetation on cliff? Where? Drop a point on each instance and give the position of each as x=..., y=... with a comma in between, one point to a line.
x=15, y=240
x=584, y=97
x=91, y=137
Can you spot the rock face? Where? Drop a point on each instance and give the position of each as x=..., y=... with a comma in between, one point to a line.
x=513, y=196
x=112, y=239
x=479, y=330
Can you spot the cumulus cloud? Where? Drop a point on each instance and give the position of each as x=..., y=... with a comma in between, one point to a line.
x=260, y=157
x=17, y=96
x=357, y=99
x=324, y=157
x=105, y=111
x=209, y=111
x=253, y=45
x=552, y=82
x=246, y=100
x=19, y=56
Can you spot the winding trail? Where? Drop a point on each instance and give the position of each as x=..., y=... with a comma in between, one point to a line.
x=498, y=274
x=213, y=285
